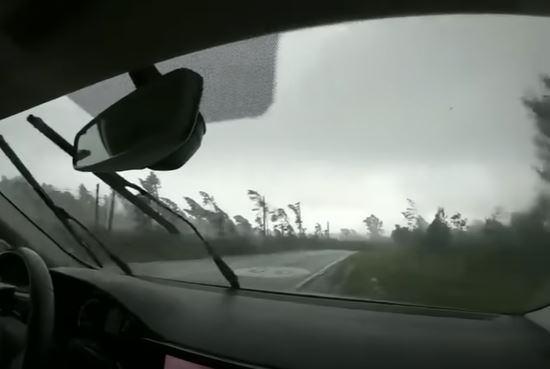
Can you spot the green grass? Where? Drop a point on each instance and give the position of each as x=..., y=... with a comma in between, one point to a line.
x=493, y=280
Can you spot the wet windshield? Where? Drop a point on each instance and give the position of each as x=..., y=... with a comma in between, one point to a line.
x=403, y=160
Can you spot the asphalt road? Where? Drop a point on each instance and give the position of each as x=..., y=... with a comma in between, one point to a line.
x=285, y=271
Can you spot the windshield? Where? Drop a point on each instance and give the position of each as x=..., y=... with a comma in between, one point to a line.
x=402, y=160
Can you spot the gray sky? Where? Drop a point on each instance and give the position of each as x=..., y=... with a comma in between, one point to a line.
x=366, y=115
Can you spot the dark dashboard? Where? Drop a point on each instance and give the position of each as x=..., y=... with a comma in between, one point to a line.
x=118, y=321
x=94, y=330
x=95, y=314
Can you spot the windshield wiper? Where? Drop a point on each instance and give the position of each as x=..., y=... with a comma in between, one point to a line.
x=61, y=214
x=121, y=185
x=46, y=234
x=225, y=269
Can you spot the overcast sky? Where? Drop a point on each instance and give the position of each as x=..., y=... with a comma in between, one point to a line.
x=366, y=115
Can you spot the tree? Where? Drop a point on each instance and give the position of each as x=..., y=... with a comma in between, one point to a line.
x=438, y=233
x=277, y=228
x=172, y=205
x=85, y=197
x=195, y=210
x=476, y=226
x=208, y=200
x=72, y=204
x=529, y=227
x=348, y=234
x=421, y=223
x=151, y=184
x=204, y=219
x=413, y=219
x=176, y=209
x=495, y=222
x=401, y=235
x=539, y=107
x=243, y=226
x=540, y=111
x=261, y=209
x=410, y=214
x=281, y=222
x=221, y=218
x=318, y=232
x=86, y=204
x=345, y=232
x=297, y=210
x=374, y=226
x=458, y=222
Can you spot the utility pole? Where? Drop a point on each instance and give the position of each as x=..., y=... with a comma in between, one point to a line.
x=327, y=231
x=264, y=215
x=96, y=215
x=111, y=211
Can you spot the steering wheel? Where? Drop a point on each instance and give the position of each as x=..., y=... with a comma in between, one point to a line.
x=26, y=309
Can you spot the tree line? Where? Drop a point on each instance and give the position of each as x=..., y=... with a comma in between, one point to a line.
x=269, y=221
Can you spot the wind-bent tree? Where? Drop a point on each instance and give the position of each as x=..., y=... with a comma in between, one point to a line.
x=195, y=210
x=151, y=184
x=539, y=107
x=281, y=222
x=414, y=220
x=207, y=219
x=261, y=209
x=224, y=223
x=244, y=228
x=297, y=210
x=172, y=205
x=176, y=209
x=410, y=214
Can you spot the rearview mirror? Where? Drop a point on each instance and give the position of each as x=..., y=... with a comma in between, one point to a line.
x=156, y=126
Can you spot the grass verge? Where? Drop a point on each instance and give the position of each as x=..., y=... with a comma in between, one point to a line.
x=494, y=280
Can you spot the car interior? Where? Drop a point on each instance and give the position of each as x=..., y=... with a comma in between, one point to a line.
x=86, y=317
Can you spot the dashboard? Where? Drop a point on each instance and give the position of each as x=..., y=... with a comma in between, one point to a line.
x=93, y=330
x=101, y=315
x=100, y=319
x=116, y=321
x=102, y=324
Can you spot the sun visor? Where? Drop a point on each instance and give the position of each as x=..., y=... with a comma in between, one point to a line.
x=238, y=80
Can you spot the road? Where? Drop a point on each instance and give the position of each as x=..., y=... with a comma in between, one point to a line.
x=284, y=271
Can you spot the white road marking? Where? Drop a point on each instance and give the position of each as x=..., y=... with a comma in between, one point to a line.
x=271, y=272
x=322, y=271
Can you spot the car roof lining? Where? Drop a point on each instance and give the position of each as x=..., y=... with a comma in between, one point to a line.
x=50, y=49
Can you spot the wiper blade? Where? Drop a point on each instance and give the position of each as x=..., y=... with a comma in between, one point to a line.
x=46, y=234
x=225, y=269
x=61, y=214
x=120, y=185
